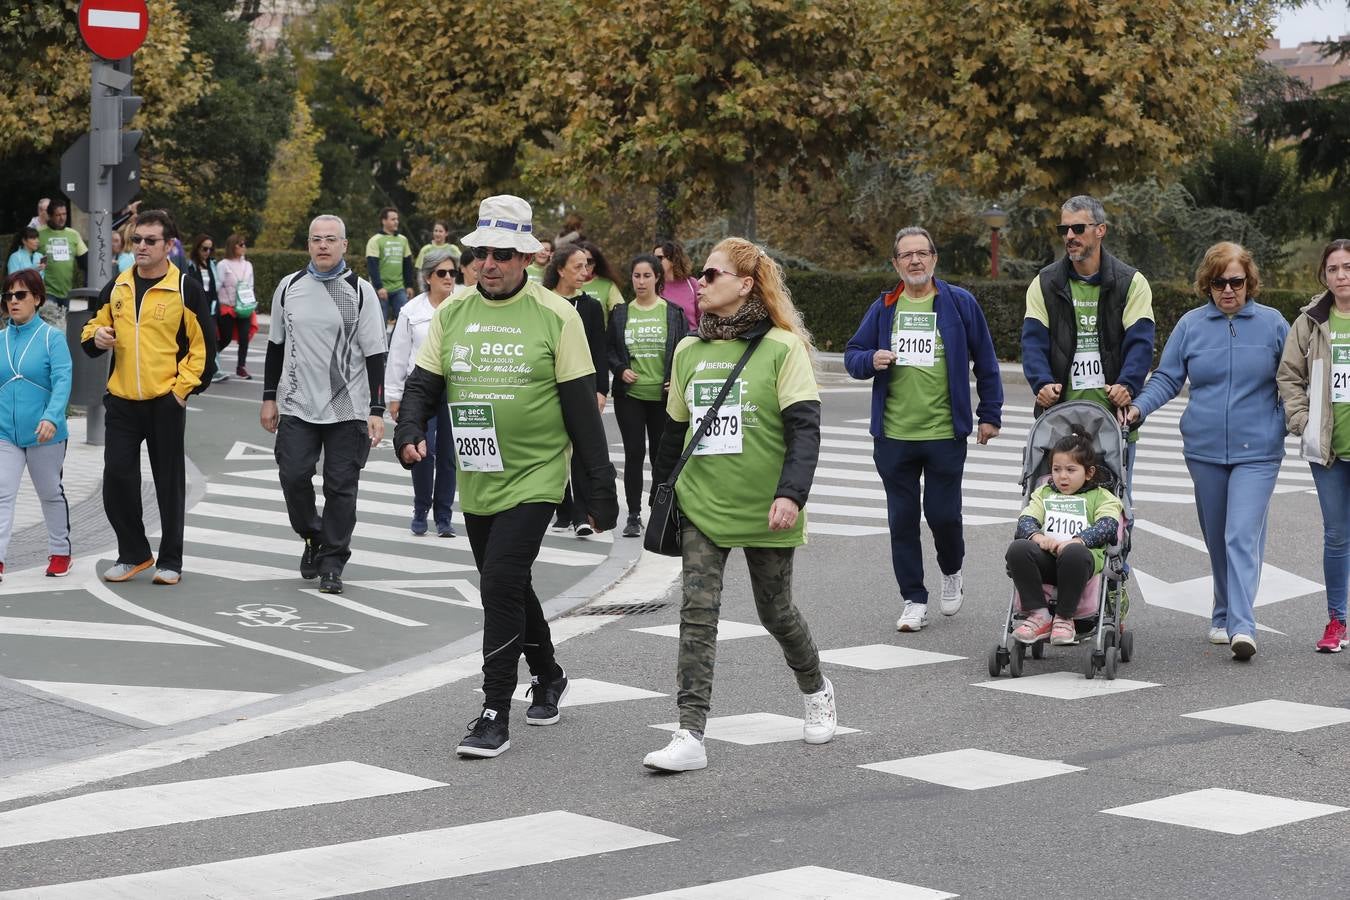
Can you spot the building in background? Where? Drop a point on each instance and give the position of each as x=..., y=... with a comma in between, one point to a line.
x=1308, y=63
x=268, y=19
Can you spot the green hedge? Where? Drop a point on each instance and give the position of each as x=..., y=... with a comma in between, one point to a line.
x=833, y=304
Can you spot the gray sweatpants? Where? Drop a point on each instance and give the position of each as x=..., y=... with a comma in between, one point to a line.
x=44, y=462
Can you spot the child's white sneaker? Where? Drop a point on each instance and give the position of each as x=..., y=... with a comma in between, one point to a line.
x=821, y=718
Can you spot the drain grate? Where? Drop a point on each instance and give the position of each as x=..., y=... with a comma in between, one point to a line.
x=623, y=609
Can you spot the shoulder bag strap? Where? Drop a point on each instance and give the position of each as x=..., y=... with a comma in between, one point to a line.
x=712, y=410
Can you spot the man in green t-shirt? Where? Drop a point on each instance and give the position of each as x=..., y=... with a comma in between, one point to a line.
x=511, y=357
x=919, y=343
x=1088, y=332
x=389, y=262
x=64, y=250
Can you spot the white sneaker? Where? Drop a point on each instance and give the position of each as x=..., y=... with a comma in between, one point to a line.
x=1243, y=647
x=684, y=753
x=821, y=718
x=1218, y=635
x=953, y=593
x=913, y=618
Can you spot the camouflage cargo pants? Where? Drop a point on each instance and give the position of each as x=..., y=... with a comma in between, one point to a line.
x=771, y=583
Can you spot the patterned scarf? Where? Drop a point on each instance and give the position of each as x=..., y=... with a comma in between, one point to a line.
x=733, y=327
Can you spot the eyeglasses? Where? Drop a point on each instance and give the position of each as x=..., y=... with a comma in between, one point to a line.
x=322, y=239
x=500, y=254
x=1235, y=283
x=444, y=273
x=920, y=255
x=709, y=275
x=15, y=295
x=147, y=241
x=206, y=248
x=1076, y=228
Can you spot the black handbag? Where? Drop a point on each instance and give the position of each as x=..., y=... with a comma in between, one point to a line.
x=663, y=526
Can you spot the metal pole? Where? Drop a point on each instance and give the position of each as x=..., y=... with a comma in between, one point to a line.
x=104, y=153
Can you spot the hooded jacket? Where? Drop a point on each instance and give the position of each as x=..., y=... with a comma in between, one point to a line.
x=1304, y=381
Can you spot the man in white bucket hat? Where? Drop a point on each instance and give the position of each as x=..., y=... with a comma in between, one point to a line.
x=513, y=358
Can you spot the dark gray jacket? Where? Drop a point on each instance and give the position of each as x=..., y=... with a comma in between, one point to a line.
x=677, y=329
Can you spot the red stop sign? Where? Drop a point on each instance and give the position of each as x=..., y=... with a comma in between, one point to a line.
x=114, y=28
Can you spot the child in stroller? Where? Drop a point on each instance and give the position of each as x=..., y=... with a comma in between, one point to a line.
x=1061, y=539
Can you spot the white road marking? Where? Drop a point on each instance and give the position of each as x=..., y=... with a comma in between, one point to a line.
x=880, y=657
x=95, y=631
x=363, y=609
x=754, y=728
x=1276, y=715
x=252, y=544
x=110, y=812
x=1065, y=685
x=372, y=865
x=804, y=883
x=1225, y=811
x=156, y=705
x=973, y=769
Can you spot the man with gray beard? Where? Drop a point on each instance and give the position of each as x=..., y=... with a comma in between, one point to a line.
x=917, y=343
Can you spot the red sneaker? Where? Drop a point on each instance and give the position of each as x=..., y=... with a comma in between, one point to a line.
x=58, y=566
x=1333, y=639
x=2, y=571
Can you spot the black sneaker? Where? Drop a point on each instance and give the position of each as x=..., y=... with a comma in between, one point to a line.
x=544, y=700
x=488, y=737
x=584, y=529
x=330, y=583
x=633, y=528
x=309, y=569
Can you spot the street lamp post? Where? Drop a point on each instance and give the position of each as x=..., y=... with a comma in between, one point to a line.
x=995, y=217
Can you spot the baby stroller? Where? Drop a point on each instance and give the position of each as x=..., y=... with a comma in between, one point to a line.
x=1100, y=615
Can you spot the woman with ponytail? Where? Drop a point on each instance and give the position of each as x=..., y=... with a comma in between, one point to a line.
x=745, y=483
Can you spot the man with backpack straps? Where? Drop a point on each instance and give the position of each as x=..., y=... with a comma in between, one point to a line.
x=323, y=392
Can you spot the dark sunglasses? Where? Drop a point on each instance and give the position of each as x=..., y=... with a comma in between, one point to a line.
x=709, y=275
x=1219, y=284
x=15, y=295
x=500, y=254
x=1076, y=228
x=444, y=273
x=206, y=248
x=147, y=241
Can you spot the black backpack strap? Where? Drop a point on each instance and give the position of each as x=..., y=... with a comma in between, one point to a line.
x=712, y=411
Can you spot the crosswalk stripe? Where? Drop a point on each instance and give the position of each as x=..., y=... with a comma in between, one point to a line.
x=251, y=544
x=803, y=883
x=370, y=865
x=367, y=485
x=155, y=705
x=373, y=531
x=361, y=608
x=110, y=812
x=95, y=631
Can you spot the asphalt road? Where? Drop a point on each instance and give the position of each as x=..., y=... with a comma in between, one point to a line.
x=1236, y=807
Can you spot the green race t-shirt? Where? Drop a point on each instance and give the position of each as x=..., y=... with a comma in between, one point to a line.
x=1339, y=326
x=502, y=362
x=535, y=272
x=918, y=398
x=729, y=484
x=1063, y=516
x=390, y=250
x=645, y=337
x=606, y=291
x=422, y=256
x=61, y=249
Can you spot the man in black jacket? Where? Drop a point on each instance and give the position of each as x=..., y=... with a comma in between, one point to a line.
x=514, y=362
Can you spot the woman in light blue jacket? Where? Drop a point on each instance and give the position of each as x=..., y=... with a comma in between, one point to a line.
x=34, y=391
x=1232, y=431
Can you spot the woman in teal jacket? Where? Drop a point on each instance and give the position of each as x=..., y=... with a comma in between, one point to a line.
x=1232, y=432
x=34, y=391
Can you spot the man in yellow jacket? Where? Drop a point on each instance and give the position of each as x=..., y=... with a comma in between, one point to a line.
x=158, y=325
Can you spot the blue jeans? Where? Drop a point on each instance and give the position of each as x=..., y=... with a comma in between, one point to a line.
x=394, y=303
x=434, y=477
x=1230, y=500
x=1333, y=494
x=941, y=463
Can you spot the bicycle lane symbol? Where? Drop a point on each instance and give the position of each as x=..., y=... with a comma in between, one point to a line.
x=270, y=615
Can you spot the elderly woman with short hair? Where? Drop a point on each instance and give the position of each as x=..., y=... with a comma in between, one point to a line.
x=433, y=477
x=1232, y=431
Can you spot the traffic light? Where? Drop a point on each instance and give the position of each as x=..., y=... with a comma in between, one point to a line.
x=114, y=106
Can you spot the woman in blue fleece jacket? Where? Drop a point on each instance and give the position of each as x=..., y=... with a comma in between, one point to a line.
x=1232, y=431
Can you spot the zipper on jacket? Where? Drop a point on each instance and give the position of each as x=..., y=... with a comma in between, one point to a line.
x=140, y=394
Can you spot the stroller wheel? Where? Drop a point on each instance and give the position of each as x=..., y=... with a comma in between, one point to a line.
x=1126, y=646
x=1018, y=654
x=1109, y=669
x=996, y=661
x=1089, y=665
x=1038, y=650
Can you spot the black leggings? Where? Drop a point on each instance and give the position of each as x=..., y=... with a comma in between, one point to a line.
x=236, y=328
x=639, y=421
x=1031, y=567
